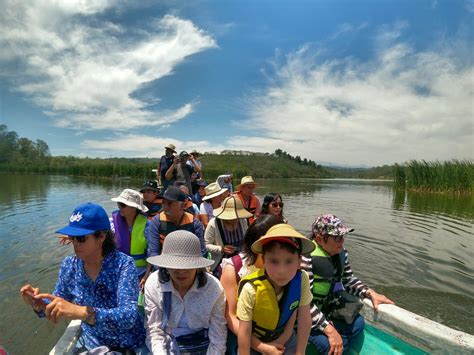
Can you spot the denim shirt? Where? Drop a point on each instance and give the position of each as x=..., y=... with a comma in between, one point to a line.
x=113, y=295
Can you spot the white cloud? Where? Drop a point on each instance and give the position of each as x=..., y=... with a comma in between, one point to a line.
x=85, y=69
x=401, y=105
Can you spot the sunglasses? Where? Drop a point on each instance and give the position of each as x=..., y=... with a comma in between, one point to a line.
x=277, y=204
x=78, y=238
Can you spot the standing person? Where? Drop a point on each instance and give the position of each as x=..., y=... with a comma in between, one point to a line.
x=198, y=174
x=237, y=267
x=269, y=297
x=166, y=162
x=181, y=171
x=172, y=218
x=273, y=204
x=225, y=233
x=225, y=181
x=129, y=223
x=183, y=301
x=150, y=191
x=336, y=324
x=212, y=200
x=97, y=285
x=249, y=199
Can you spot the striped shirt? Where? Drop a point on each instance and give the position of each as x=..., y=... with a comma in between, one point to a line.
x=351, y=283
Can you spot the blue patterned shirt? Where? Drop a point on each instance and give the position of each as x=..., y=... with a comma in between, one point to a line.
x=113, y=295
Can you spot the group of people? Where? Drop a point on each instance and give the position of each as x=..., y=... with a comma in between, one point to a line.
x=219, y=274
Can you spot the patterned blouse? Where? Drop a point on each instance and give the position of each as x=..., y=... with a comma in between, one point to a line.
x=113, y=295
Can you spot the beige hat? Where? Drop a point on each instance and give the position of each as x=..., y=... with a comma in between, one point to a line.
x=181, y=250
x=171, y=147
x=246, y=180
x=131, y=198
x=231, y=208
x=213, y=190
x=285, y=233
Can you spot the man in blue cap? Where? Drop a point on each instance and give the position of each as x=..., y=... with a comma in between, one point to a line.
x=97, y=285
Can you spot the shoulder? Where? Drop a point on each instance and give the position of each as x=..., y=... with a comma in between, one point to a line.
x=117, y=259
x=70, y=263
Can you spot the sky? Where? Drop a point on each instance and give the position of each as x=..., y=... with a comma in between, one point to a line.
x=352, y=83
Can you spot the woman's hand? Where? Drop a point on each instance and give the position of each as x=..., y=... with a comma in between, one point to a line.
x=377, y=299
x=28, y=294
x=336, y=346
x=228, y=249
x=60, y=308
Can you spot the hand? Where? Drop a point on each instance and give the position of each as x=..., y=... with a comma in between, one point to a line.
x=28, y=294
x=64, y=239
x=335, y=341
x=176, y=161
x=377, y=299
x=143, y=280
x=272, y=348
x=60, y=308
x=228, y=249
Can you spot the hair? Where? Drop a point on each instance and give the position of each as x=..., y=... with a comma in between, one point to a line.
x=164, y=276
x=108, y=245
x=288, y=247
x=257, y=229
x=268, y=199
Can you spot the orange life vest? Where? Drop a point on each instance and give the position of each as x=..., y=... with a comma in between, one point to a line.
x=250, y=206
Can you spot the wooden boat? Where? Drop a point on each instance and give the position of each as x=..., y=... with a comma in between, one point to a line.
x=392, y=330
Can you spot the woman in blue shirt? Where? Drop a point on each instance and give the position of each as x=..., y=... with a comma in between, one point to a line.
x=97, y=285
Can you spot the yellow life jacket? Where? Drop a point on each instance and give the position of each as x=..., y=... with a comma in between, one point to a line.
x=138, y=243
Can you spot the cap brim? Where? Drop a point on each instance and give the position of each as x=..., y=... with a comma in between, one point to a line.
x=307, y=246
x=179, y=262
x=149, y=188
x=74, y=231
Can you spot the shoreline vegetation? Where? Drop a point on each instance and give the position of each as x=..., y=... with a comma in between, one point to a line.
x=23, y=156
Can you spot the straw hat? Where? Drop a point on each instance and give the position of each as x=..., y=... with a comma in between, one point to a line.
x=284, y=231
x=246, y=180
x=131, y=198
x=181, y=250
x=171, y=147
x=213, y=190
x=231, y=208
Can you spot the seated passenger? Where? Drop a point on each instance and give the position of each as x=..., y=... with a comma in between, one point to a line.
x=151, y=191
x=245, y=192
x=129, y=223
x=270, y=299
x=182, y=300
x=212, y=200
x=336, y=323
x=236, y=267
x=273, y=204
x=201, y=192
x=225, y=233
x=97, y=285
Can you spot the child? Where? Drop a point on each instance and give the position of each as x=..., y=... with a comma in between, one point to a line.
x=268, y=298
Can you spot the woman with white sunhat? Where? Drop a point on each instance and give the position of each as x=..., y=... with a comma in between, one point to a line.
x=225, y=233
x=129, y=223
x=212, y=200
x=184, y=305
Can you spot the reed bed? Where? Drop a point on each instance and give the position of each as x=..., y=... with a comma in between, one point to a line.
x=449, y=176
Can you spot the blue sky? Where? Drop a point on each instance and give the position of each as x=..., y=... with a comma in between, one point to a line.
x=346, y=82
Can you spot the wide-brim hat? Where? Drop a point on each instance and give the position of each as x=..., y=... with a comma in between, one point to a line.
x=181, y=250
x=284, y=230
x=231, y=208
x=213, y=190
x=246, y=180
x=171, y=147
x=131, y=198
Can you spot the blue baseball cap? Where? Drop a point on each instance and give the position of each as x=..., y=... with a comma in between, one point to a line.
x=86, y=219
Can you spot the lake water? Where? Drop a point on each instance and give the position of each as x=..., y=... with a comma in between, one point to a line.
x=415, y=248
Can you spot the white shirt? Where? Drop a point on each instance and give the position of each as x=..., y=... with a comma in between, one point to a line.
x=204, y=308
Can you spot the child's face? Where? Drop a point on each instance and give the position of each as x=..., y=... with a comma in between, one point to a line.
x=281, y=265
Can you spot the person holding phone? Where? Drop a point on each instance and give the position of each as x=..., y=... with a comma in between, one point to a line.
x=97, y=285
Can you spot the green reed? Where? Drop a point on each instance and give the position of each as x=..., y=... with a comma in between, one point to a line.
x=453, y=175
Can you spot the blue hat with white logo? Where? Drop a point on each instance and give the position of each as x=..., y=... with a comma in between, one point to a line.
x=86, y=219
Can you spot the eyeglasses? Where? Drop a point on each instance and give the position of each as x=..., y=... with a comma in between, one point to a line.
x=277, y=204
x=78, y=238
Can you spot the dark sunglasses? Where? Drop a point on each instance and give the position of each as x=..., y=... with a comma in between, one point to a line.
x=276, y=204
x=78, y=238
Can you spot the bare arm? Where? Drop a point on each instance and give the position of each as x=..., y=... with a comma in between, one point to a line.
x=244, y=334
x=169, y=172
x=304, y=328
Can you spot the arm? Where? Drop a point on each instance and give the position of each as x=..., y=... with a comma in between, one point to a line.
x=243, y=336
x=259, y=207
x=199, y=231
x=204, y=219
x=229, y=283
x=169, y=172
x=213, y=243
x=155, y=336
x=304, y=328
x=217, y=326
x=197, y=167
x=152, y=235
x=377, y=298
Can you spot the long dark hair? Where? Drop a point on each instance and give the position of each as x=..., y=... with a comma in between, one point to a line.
x=108, y=245
x=257, y=229
x=269, y=198
x=164, y=276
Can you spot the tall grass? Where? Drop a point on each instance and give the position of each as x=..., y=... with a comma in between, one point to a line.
x=453, y=175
